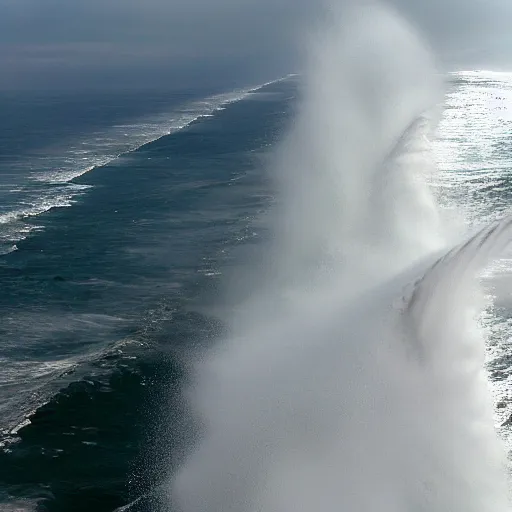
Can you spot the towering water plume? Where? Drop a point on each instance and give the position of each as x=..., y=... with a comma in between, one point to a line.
x=361, y=387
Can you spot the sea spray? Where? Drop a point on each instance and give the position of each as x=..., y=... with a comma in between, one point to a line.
x=352, y=378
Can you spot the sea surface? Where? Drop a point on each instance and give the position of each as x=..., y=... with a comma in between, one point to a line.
x=117, y=215
x=120, y=216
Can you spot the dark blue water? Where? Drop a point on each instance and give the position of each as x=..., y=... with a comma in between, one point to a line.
x=47, y=140
x=104, y=299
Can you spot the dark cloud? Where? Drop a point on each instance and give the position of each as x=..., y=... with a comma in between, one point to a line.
x=152, y=42
x=159, y=38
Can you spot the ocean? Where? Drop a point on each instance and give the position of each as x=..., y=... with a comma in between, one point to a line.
x=118, y=214
x=123, y=218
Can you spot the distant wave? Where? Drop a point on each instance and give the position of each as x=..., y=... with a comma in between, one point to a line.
x=120, y=139
x=50, y=183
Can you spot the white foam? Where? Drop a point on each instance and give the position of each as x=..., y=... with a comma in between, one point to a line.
x=327, y=393
x=88, y=153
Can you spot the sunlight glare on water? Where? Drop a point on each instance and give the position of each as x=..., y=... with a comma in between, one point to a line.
x=474, y=155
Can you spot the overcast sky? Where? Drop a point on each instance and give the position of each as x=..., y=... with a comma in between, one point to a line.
x=145, y=43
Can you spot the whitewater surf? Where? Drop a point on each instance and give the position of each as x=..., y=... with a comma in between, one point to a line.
x=352, y=378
